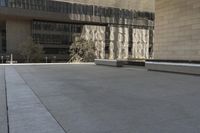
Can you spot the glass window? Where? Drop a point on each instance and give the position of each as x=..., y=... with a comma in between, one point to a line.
x=89, y=10
x=128, y=14
x=109, y=12
x=102, y=11
x=54, y=33
x=65, y=7
x=121, y=13
x=2, y=2
x=69, y=8
x=79, y=9
x=96, y=10
x=84, y=9
x=75, y=8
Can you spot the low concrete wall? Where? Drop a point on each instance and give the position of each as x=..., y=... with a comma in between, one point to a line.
x=186, y=68
x=105, y=62
x=136, y=62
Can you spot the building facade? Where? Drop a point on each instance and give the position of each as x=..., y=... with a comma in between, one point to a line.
x=120, y=30
x=177, y=30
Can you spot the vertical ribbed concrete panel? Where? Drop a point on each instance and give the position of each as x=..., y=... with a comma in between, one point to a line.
x=119, y=40
x=140, y=49
x=112, y=43
x=125, y=43
x=96, y=34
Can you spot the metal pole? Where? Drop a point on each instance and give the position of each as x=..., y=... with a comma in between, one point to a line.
x=54, y=57
x=11, y=59
x=46, y=58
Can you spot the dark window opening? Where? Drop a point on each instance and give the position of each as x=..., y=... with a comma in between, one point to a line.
x=55, y=51
x=54, y=34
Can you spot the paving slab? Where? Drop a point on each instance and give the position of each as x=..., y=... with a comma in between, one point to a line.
x=26, y=113
x=98, y=99
x=3, y=110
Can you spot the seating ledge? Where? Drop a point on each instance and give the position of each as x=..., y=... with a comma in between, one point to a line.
x=107, y=62
x=186, y=68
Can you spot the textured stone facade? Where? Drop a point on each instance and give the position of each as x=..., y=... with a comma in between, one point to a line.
x=177, y=30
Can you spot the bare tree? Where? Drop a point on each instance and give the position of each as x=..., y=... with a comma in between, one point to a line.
x=30, y=51
x=82, y=51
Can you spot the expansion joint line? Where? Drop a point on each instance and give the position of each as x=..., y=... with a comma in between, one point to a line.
x=6, y=96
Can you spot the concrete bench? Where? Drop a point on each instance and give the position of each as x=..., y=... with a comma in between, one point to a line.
x=136, y=62
x=106, y=62
x=187, y=68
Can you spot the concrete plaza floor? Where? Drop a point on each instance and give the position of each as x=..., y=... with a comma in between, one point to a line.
x=97, y=99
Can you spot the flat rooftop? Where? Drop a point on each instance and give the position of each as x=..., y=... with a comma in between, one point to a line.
x=84, y=98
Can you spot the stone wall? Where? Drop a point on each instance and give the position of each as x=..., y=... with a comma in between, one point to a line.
x=177, y=30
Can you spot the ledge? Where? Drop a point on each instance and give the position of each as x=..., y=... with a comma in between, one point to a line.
x=106, y=62
x=136, y=62
x=176, y=67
